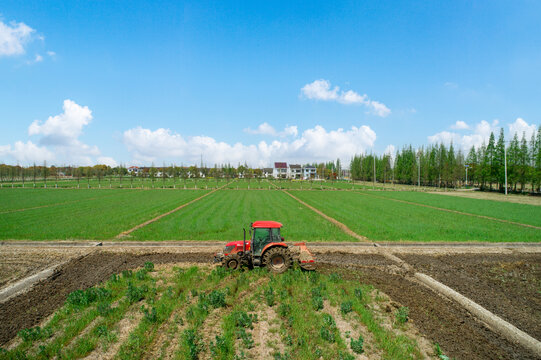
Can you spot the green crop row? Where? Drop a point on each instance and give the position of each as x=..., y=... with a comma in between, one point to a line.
x=222, y=216
x=99, y=218
x=385, y=220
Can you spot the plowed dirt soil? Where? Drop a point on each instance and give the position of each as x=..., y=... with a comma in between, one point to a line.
x=506, y=284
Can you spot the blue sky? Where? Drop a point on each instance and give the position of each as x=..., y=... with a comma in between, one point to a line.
x=135, y=82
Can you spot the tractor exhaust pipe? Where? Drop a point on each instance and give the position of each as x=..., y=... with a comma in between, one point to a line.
x=244, y=242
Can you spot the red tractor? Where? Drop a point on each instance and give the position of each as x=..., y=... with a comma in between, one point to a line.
x=266, y=247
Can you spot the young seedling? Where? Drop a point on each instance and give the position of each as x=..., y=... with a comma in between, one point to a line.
x=402, y=315
x=357, y=345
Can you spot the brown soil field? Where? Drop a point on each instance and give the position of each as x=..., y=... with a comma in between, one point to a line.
x=16, y=264
x=506, y=283
x=519, y=199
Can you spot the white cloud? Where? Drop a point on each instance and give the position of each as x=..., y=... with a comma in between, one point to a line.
x=266, y=129
x=58, y=140
x=262, y=129
x=390, y=150
x=519, y=127
x=106, y=160
x=480, y=135
x=63, y=129
x=316, y=144
x=321, y=90
x=38, y=58
x=291, y=131
x=26, y=153
x=13, y=38
x=460, y=125
x=51, y=53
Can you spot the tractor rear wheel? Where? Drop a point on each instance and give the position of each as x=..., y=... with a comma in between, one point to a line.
x=278, y=259
x=231, y=262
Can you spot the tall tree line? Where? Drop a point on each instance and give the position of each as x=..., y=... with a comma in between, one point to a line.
x=444, y=166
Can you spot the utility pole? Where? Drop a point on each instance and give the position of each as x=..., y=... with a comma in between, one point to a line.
x=418, y=170
x=374, y=172
x=505, y=165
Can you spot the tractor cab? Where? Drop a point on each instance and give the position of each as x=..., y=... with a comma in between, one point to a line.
x=265, y=233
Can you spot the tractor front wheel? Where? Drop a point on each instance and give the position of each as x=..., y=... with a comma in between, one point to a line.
x=278, y=259
x=231, y=262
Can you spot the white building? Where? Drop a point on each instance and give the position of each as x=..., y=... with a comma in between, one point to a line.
x=295, y=171
x=280, y=170
x=309, y=172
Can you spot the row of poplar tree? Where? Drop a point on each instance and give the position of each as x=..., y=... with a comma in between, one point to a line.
x=445, y=166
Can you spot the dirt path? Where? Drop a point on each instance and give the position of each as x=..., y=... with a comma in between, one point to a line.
x=518, y=199
x=451, y=211
x=137, y=227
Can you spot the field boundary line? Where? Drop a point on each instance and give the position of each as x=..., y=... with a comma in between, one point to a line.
x=340, y=225
x=137, y=227
x=451, y=211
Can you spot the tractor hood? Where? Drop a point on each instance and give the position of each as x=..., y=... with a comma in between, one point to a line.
x=238, y=244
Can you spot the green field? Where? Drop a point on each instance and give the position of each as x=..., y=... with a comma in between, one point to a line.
x=58, y=214
x=521, y=213
x=103, y=216
x=385, y=220
x=222, y=215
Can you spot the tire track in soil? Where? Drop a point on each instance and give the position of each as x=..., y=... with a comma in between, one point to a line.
x=452, y=211
x=137, y=227
x=29, y=309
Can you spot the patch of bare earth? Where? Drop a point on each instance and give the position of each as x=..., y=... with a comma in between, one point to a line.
x=350, y=328
x=266, y=335
x=519, y=199
x=20, y=262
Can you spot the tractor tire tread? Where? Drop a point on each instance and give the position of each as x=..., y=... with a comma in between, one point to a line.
x=277, y=251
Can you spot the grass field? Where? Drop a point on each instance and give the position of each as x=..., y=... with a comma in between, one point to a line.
x=196, y=313
x=382, y=219
x=115, y=183
x=103, y=216
x=521, y=213
x=43, y=214
x=222, y=215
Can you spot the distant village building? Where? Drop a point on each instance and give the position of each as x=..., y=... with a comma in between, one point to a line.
x=295, y=171
x=267, y=172
x=134, y=170
x=309, y=172
x=280, y=170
